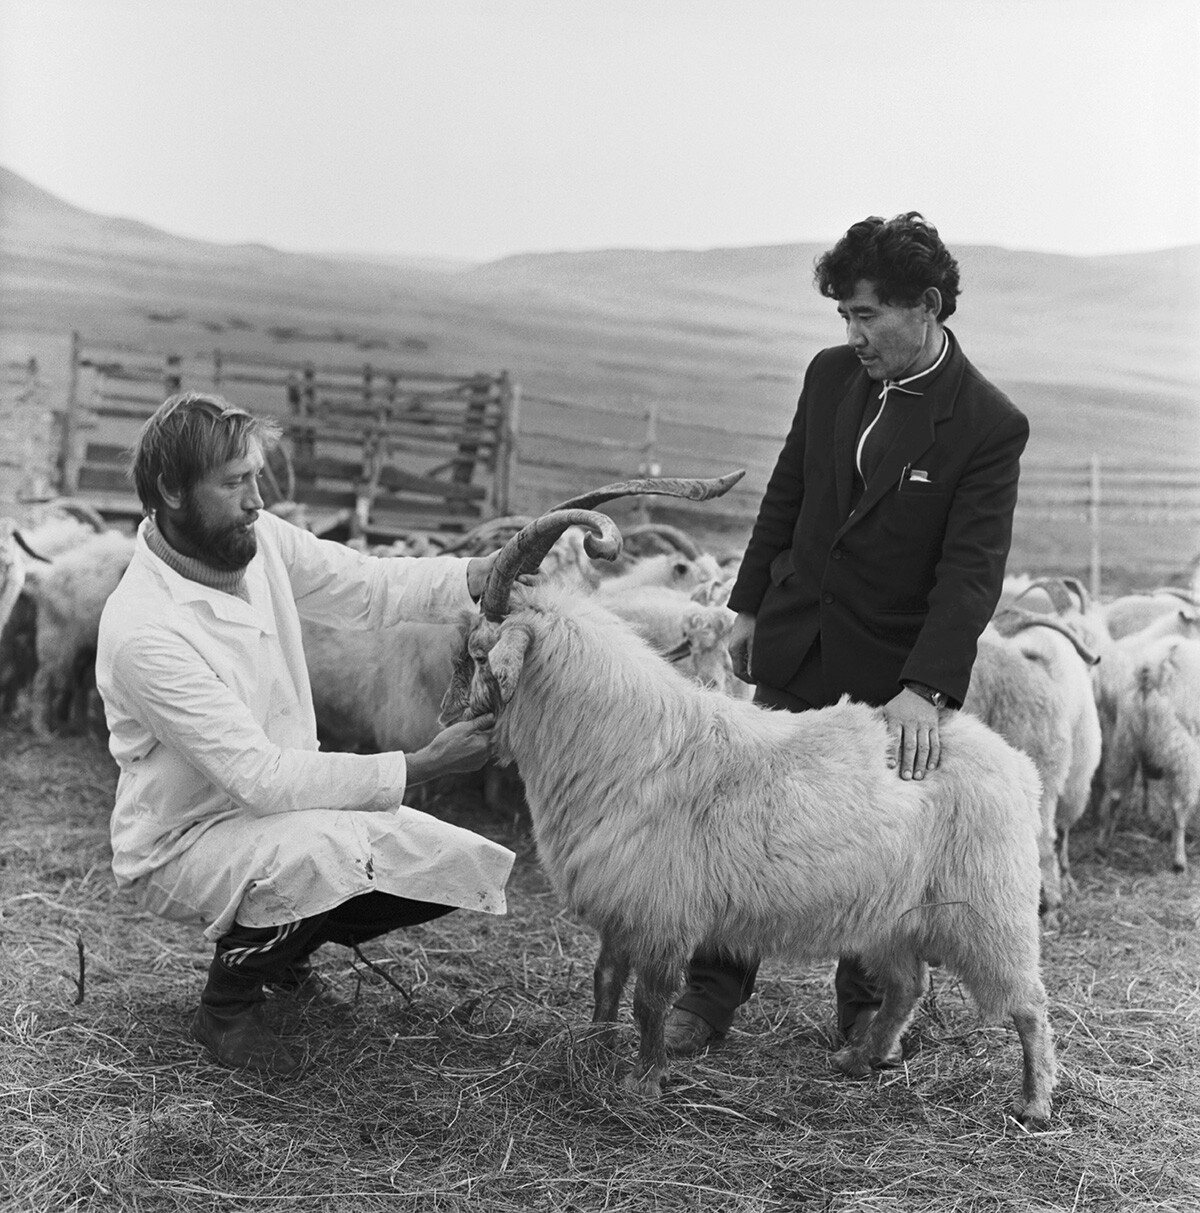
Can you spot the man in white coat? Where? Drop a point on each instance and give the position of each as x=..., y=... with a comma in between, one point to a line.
x=227, y=814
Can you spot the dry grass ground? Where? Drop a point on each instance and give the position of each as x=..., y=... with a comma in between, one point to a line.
x=466, y=1088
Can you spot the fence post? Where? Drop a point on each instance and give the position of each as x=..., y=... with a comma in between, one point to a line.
x=649, y=465
x=1094, y=520
x=506, y=451
x=68, y=465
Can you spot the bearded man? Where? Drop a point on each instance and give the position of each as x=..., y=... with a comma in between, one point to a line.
x=227, y=815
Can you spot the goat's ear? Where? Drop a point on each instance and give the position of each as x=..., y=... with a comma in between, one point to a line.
x=506, y=659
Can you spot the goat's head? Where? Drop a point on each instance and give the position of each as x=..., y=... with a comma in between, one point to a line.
x=489, y=658
x=1012, y=620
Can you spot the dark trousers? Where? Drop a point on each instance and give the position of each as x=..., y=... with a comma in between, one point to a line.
x=717, y=983
x=247, y=957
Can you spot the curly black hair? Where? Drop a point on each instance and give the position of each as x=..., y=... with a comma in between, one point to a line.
x=902, y=256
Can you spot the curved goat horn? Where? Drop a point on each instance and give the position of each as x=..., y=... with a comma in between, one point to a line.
x=1080, y=591
x=528, y=547
x=23, y=544
x=1056, y=590
x=1016, y=619
x=82, y=511
x=692, y=488
x=678, y=539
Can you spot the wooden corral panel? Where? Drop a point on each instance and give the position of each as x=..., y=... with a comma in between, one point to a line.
x=373, y=453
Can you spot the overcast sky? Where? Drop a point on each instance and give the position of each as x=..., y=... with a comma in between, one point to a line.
x=477, y=128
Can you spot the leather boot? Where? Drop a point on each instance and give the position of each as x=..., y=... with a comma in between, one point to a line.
x=686, y=1033
x=241, y=1040
x=302, y=983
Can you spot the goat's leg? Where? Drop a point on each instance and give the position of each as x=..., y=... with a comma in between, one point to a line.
x=43, y=701
x=1048, y=854
x=1037, y=1051
x=904, y=981
x=1181, y=807
x=657, y=982
x=608, y=985
x=1000, y=970
x=1064, y=861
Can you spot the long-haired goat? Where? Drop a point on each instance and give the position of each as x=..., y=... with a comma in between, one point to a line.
x=1064, y=654
x=669, y=817
x=1158, y=733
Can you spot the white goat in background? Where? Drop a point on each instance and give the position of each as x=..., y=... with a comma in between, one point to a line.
x=378, y=690
x=1016, y=696
x=1068, y=661
x=1130, y=732
x=669, y=817
x=1158, y=734
x=70, y=596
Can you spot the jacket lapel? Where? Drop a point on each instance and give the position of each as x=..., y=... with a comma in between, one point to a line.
x=914, y=438
x=845, y=437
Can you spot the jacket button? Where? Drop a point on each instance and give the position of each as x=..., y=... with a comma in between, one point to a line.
x=826, y=597
x=837, y=553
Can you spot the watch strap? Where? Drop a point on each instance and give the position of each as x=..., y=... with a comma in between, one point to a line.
x=939, y=699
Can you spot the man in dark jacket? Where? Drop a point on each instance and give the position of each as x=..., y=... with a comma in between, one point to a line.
x=878, y=553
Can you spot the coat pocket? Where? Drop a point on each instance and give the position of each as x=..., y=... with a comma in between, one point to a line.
x=782, y=567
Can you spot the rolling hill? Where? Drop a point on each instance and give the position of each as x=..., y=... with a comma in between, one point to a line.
x=1103, y=353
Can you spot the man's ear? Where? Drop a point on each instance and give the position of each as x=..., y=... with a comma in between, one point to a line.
x=171, y=498
x=932, y=299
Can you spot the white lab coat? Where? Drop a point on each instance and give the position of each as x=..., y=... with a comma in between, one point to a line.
x=225, y=806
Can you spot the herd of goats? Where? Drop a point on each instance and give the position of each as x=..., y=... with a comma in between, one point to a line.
x=669, y=811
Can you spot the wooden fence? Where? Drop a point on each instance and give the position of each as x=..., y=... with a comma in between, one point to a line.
x=373, y=452
x=383, y=452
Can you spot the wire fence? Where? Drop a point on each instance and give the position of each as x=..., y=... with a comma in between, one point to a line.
x=1115, y=523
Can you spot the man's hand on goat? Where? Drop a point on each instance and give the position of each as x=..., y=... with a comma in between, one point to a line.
x=463, y=746
x=914, y=743
x=741, y=640
x=478, y=568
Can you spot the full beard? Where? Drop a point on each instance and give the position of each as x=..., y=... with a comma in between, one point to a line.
x=229, y=548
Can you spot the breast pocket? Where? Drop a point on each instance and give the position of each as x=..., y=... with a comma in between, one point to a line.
x=909, y=531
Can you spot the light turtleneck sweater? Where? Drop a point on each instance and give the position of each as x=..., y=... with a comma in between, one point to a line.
x=230, y=581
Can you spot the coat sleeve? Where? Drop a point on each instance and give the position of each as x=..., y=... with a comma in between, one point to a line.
x=336, y=585
x=165, y=684
x=969, y=574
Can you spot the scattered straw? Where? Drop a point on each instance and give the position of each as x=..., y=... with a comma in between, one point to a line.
x=464, y=1077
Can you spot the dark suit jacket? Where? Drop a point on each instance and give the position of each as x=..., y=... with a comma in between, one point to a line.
x=901, y=587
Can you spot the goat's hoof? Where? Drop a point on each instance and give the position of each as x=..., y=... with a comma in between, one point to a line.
x=851, y=1060
x=648, y=1085
x=1033, y=1115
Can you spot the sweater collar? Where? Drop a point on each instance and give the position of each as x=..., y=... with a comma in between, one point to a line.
x=230, y=581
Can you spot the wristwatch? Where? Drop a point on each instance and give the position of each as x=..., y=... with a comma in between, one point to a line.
x=939, y=699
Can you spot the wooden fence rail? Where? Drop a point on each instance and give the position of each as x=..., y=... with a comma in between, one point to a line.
x=387, y=451
x=374, y=452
